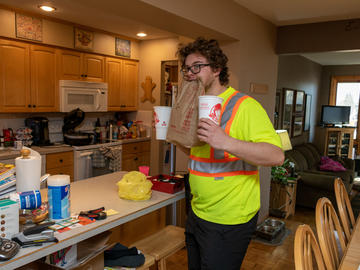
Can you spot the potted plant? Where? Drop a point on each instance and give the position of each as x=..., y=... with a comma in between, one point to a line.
x=283, y=173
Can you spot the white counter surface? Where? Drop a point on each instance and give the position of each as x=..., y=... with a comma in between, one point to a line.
x=91, y=194
x=10, y=153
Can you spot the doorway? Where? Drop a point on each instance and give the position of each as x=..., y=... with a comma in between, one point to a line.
x=169, y=87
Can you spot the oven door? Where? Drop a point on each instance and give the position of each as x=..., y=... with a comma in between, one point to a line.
x=83, y=164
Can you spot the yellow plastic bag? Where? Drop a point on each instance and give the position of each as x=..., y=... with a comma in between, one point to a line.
x=134, y=186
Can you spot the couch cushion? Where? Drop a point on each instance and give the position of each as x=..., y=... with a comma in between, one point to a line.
x=309, y=156
x=298, y=159
x=314, y=151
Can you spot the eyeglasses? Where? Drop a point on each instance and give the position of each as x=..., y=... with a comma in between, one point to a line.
x=195, y=69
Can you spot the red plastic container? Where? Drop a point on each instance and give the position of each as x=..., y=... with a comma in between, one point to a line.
x=166, y=183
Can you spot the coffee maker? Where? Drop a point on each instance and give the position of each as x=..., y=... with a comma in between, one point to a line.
x=40, y=130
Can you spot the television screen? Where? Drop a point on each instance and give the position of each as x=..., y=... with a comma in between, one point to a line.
x=335, y=115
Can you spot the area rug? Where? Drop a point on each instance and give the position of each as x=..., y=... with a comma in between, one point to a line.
x=277, y=241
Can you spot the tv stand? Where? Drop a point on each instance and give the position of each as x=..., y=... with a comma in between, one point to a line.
x=335, y=141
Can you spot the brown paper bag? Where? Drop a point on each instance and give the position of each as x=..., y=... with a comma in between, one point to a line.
x=184, y=115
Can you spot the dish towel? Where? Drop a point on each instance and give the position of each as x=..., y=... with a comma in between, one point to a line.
x=98, y=159
x=114, y=155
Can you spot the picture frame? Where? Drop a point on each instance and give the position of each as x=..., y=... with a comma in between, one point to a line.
x=28, y=27
x=307, y=112
x=288, y=109
x=277, y=111
x=298, y=125
x=83, y=39
x=299, y=101
x=122, y=47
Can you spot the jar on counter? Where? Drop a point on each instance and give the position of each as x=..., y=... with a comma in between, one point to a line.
x=2, y=143
x=141, y=129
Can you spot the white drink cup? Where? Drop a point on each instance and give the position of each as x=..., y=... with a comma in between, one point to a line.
x=210, y=107
x=161, y=118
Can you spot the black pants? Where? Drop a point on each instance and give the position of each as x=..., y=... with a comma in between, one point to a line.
x=212, y=246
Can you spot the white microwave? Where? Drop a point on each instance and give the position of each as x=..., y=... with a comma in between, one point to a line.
x=87, y=96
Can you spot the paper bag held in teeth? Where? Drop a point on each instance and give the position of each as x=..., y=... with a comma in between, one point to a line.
x=184, y=115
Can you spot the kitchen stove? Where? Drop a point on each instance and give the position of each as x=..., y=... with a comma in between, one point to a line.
x=86, y=159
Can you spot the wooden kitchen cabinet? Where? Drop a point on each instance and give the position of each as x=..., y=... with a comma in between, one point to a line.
x=122, y=79
x=14, y=76
x=135, y=155
x=28, y=77
x=60, y=163
x=75, y=65
x=44, y=83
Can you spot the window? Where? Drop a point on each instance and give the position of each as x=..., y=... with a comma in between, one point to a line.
x=345, y=91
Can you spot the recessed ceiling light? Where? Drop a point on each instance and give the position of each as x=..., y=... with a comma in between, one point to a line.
x=141, y=34
x=47, y=8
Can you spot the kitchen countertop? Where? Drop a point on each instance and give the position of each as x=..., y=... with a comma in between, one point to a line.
x=10, y=153
x=93, y=193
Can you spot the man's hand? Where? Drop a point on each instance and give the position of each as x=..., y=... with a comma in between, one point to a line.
x=211, y=133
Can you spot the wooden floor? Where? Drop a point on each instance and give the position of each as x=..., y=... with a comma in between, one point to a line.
x=261, y=256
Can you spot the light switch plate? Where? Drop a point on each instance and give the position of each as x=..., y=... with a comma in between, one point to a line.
x=259, y=88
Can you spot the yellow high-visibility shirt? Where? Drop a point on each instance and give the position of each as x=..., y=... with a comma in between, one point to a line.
x=233, y=199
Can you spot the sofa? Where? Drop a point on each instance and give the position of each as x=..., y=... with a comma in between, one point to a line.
x=314, y=183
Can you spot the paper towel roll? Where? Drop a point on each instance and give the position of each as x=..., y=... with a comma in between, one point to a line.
x=28, y=171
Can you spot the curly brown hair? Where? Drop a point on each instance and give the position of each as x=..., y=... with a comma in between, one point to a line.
x=210, y=49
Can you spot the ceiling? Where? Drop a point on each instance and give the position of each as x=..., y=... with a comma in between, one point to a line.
x=289, y=12
x=285, y=12
x=128, y=17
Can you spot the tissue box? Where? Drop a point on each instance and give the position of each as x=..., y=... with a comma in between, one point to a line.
x=9, y=218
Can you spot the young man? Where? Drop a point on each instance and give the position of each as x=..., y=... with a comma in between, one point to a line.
x=224, y=177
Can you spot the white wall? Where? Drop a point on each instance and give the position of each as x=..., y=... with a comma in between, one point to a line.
x=297, y=72
x=152, y=52
x=251, y=59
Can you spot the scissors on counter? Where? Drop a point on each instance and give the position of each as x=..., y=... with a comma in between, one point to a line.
x=97, y=214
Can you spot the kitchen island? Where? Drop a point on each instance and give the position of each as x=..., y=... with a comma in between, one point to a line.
x=93, y=193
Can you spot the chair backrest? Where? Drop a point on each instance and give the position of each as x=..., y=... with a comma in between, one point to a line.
x=305, y=248
x=330, y=233
x=344, y=207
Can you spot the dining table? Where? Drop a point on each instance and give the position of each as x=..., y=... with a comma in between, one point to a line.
x=351, y=258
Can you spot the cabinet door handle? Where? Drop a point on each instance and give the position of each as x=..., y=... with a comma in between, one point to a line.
x=29, y=105
x=136, y=158
x=85, y=75
x=61, y=161
x=34, y=106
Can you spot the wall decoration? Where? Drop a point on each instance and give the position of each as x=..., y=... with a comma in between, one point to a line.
x=307, y=112
x=148, y=87
x=277, y=111
x=122, y=47
x=299, y=101
x=288, y=109
x=28, y=27
x=83, y=39
x=298, y=125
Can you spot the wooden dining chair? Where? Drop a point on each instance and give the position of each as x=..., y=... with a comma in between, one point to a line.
x=306, y=248
x=330, y=233
x=344, y=207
